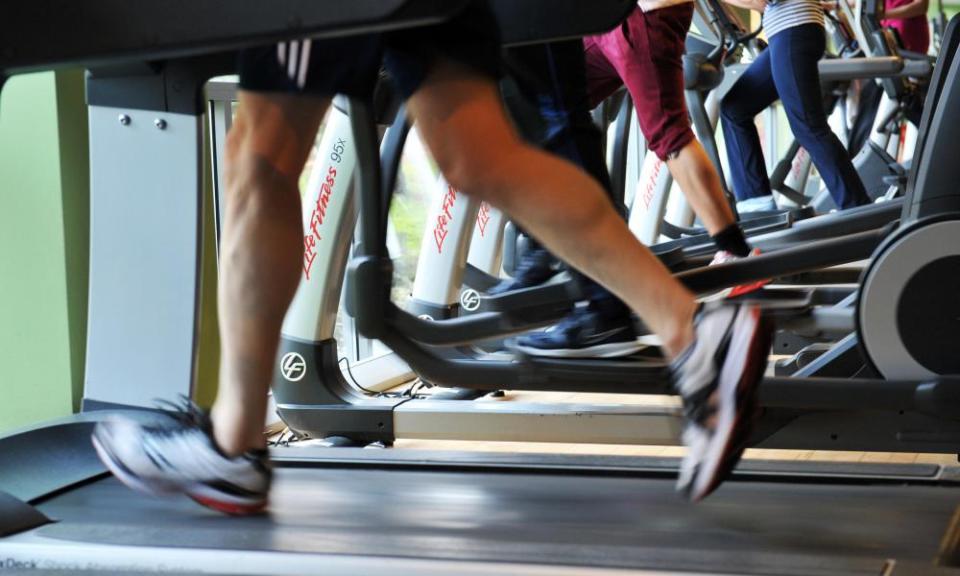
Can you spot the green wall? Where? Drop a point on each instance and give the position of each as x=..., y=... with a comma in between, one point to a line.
x=208, y=354
x=43, y=246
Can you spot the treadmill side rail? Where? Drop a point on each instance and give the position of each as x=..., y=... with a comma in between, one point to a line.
x=17, y=516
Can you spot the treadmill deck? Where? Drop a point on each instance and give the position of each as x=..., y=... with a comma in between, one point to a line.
x=575, y=518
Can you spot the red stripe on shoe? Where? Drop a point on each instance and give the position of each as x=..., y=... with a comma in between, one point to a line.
x=230, y=508
x=757, y=358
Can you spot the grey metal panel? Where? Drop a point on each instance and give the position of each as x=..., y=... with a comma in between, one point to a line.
x=783, y=426
x=144, y=255
x=533, y=422
x=866, y=431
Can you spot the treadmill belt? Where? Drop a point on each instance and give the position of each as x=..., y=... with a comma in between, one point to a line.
x=615, y=522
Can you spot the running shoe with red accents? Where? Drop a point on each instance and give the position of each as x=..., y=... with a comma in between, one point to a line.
x=718, y=377
x=724, y=257
x=179, y=456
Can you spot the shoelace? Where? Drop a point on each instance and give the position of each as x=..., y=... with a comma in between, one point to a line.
x=185, y=412
x=572, y=321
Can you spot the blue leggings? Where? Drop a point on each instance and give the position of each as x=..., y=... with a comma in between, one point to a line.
x=787, y=70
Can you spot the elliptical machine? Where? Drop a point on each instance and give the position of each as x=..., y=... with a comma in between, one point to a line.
x=908, y=314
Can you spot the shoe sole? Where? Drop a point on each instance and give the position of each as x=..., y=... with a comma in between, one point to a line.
x=205, y=496
x=124, y=475
x=739, y=380
x=617, y=350
x=199, y=493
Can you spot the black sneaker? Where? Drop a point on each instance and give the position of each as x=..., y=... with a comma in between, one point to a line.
x=726, y=362
x=180, y=457
x=536, y=267
x=583, y=334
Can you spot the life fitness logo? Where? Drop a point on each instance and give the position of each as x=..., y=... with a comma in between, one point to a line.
x=483, y=218
x=319, y=214
x=470, y=300
x=441, y=229
x=651, y=184
x=293, y=367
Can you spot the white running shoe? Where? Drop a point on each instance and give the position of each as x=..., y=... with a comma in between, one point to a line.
x=180, y=456
x=718, y=377
x=757, y=204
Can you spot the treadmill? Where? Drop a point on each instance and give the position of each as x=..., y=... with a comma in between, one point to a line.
x=351, y=511
x=356, y=511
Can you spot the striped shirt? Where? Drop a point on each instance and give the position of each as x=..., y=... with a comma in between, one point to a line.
x=790, y=13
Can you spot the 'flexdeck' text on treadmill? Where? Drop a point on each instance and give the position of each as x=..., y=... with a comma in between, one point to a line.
x=11, y=564
x=320, y=210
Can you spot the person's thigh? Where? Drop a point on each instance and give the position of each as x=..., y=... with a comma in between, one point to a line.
x=276, y=129
x=449, y=75
x=795, y=56
x=650, y=61
x=286, y=88
x=753, y=92
x=460, y=117
x=601, y=77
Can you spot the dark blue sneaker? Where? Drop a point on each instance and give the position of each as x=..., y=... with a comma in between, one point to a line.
x=536, y=267
x=583, y=334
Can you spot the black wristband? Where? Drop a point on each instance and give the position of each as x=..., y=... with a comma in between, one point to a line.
x=733, y=241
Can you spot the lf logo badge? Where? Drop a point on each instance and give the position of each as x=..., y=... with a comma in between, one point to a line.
x=293, y=367
x=470, y=300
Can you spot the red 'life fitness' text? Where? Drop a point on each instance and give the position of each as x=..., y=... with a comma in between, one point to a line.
x=319, y=213
x=651, y=183
x=440, y=231
x=483, y=218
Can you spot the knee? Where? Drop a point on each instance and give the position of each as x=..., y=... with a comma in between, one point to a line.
x=728, y=111
x=253, y=186
x=731, y=111
x=478, y=172
x=812, y=134
x=239, y=173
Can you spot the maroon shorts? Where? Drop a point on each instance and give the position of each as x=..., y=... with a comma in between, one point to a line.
x=646, y=55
